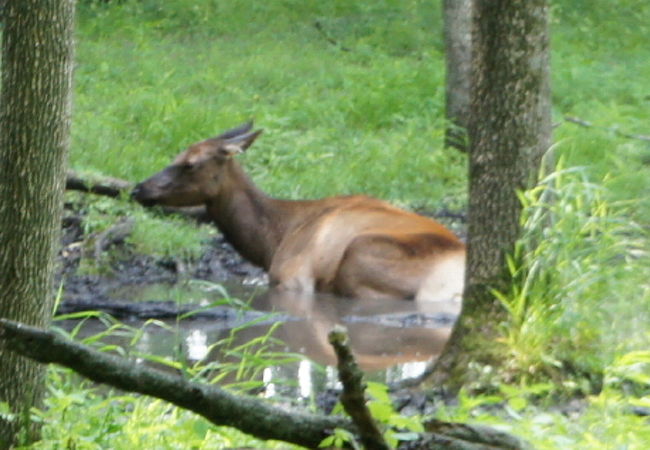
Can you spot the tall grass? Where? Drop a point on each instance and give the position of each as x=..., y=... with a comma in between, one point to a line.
x=581, y=294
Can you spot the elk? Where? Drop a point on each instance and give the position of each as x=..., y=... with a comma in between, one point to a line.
x=352, y=246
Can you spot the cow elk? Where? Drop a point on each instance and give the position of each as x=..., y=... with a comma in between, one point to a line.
x=353, y=246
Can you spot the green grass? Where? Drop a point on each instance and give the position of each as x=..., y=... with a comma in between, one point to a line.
x=80, y=416
x=151, y=81
x=365, y=114
x=581, y=295
x=599, y=422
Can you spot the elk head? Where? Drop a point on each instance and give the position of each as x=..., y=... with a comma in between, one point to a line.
x=197, y=173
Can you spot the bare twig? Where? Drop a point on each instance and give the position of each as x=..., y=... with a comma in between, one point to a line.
x=353, y=395
x=328, y=38
x=616, y=131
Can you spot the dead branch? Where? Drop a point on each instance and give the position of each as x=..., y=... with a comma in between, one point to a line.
x=248, y=414
x=118, y=232
x=616, y=131
x=115, y=187
x=353, y=396
x=328, y=38
x=472, y=436
x=110, y=187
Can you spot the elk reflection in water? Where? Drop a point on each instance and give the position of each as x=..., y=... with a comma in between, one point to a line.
x=390, y=339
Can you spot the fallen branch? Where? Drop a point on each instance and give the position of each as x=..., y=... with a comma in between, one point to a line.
x=117, y=233
x=109, y=187
x=472, y=436
x=250, y=415
x=616, y=131
x=353, y=396
x=115, y=187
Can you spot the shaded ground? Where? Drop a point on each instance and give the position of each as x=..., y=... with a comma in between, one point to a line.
x=120, y=268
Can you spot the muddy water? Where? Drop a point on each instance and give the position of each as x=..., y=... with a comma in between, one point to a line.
x=391, y=340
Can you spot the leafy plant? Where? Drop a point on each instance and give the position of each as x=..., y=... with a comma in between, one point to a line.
x=577, y=251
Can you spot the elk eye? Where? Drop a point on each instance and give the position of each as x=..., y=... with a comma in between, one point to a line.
x=186, y=167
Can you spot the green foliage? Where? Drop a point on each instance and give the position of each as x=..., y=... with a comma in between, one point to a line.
x=81, y=416
x=631, y=371
x=328, y=114
x=599, y=422
x=340, y=438
x=396, y=426
x=579, y=263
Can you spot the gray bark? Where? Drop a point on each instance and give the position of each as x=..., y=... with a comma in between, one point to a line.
x=35, y=109
x=509, y=131
x=457, y=17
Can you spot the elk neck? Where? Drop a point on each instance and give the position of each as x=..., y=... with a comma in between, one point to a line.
x=249, y=219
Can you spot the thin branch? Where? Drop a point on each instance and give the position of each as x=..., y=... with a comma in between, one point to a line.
x=109, y=187
x=248, y=414
x=328, y=38
x=353, y=395
x=616, y=131
x=115, y=187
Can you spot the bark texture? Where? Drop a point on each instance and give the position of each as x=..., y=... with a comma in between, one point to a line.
x=457, y=16
x=509, y=131
x=353, y=397
x=35, y=108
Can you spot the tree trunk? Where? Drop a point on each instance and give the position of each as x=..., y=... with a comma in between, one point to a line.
x=458, y=55
x=35, y=108
x=509, y=131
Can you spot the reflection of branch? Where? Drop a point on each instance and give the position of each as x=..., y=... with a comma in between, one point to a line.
x=353, y=395
x=248, y=414
x=616, y=131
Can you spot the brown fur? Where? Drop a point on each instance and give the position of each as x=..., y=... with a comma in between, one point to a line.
x=355, y=245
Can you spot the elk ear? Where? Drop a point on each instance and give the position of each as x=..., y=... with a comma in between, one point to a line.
x=237, y=131
x=238, y=144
